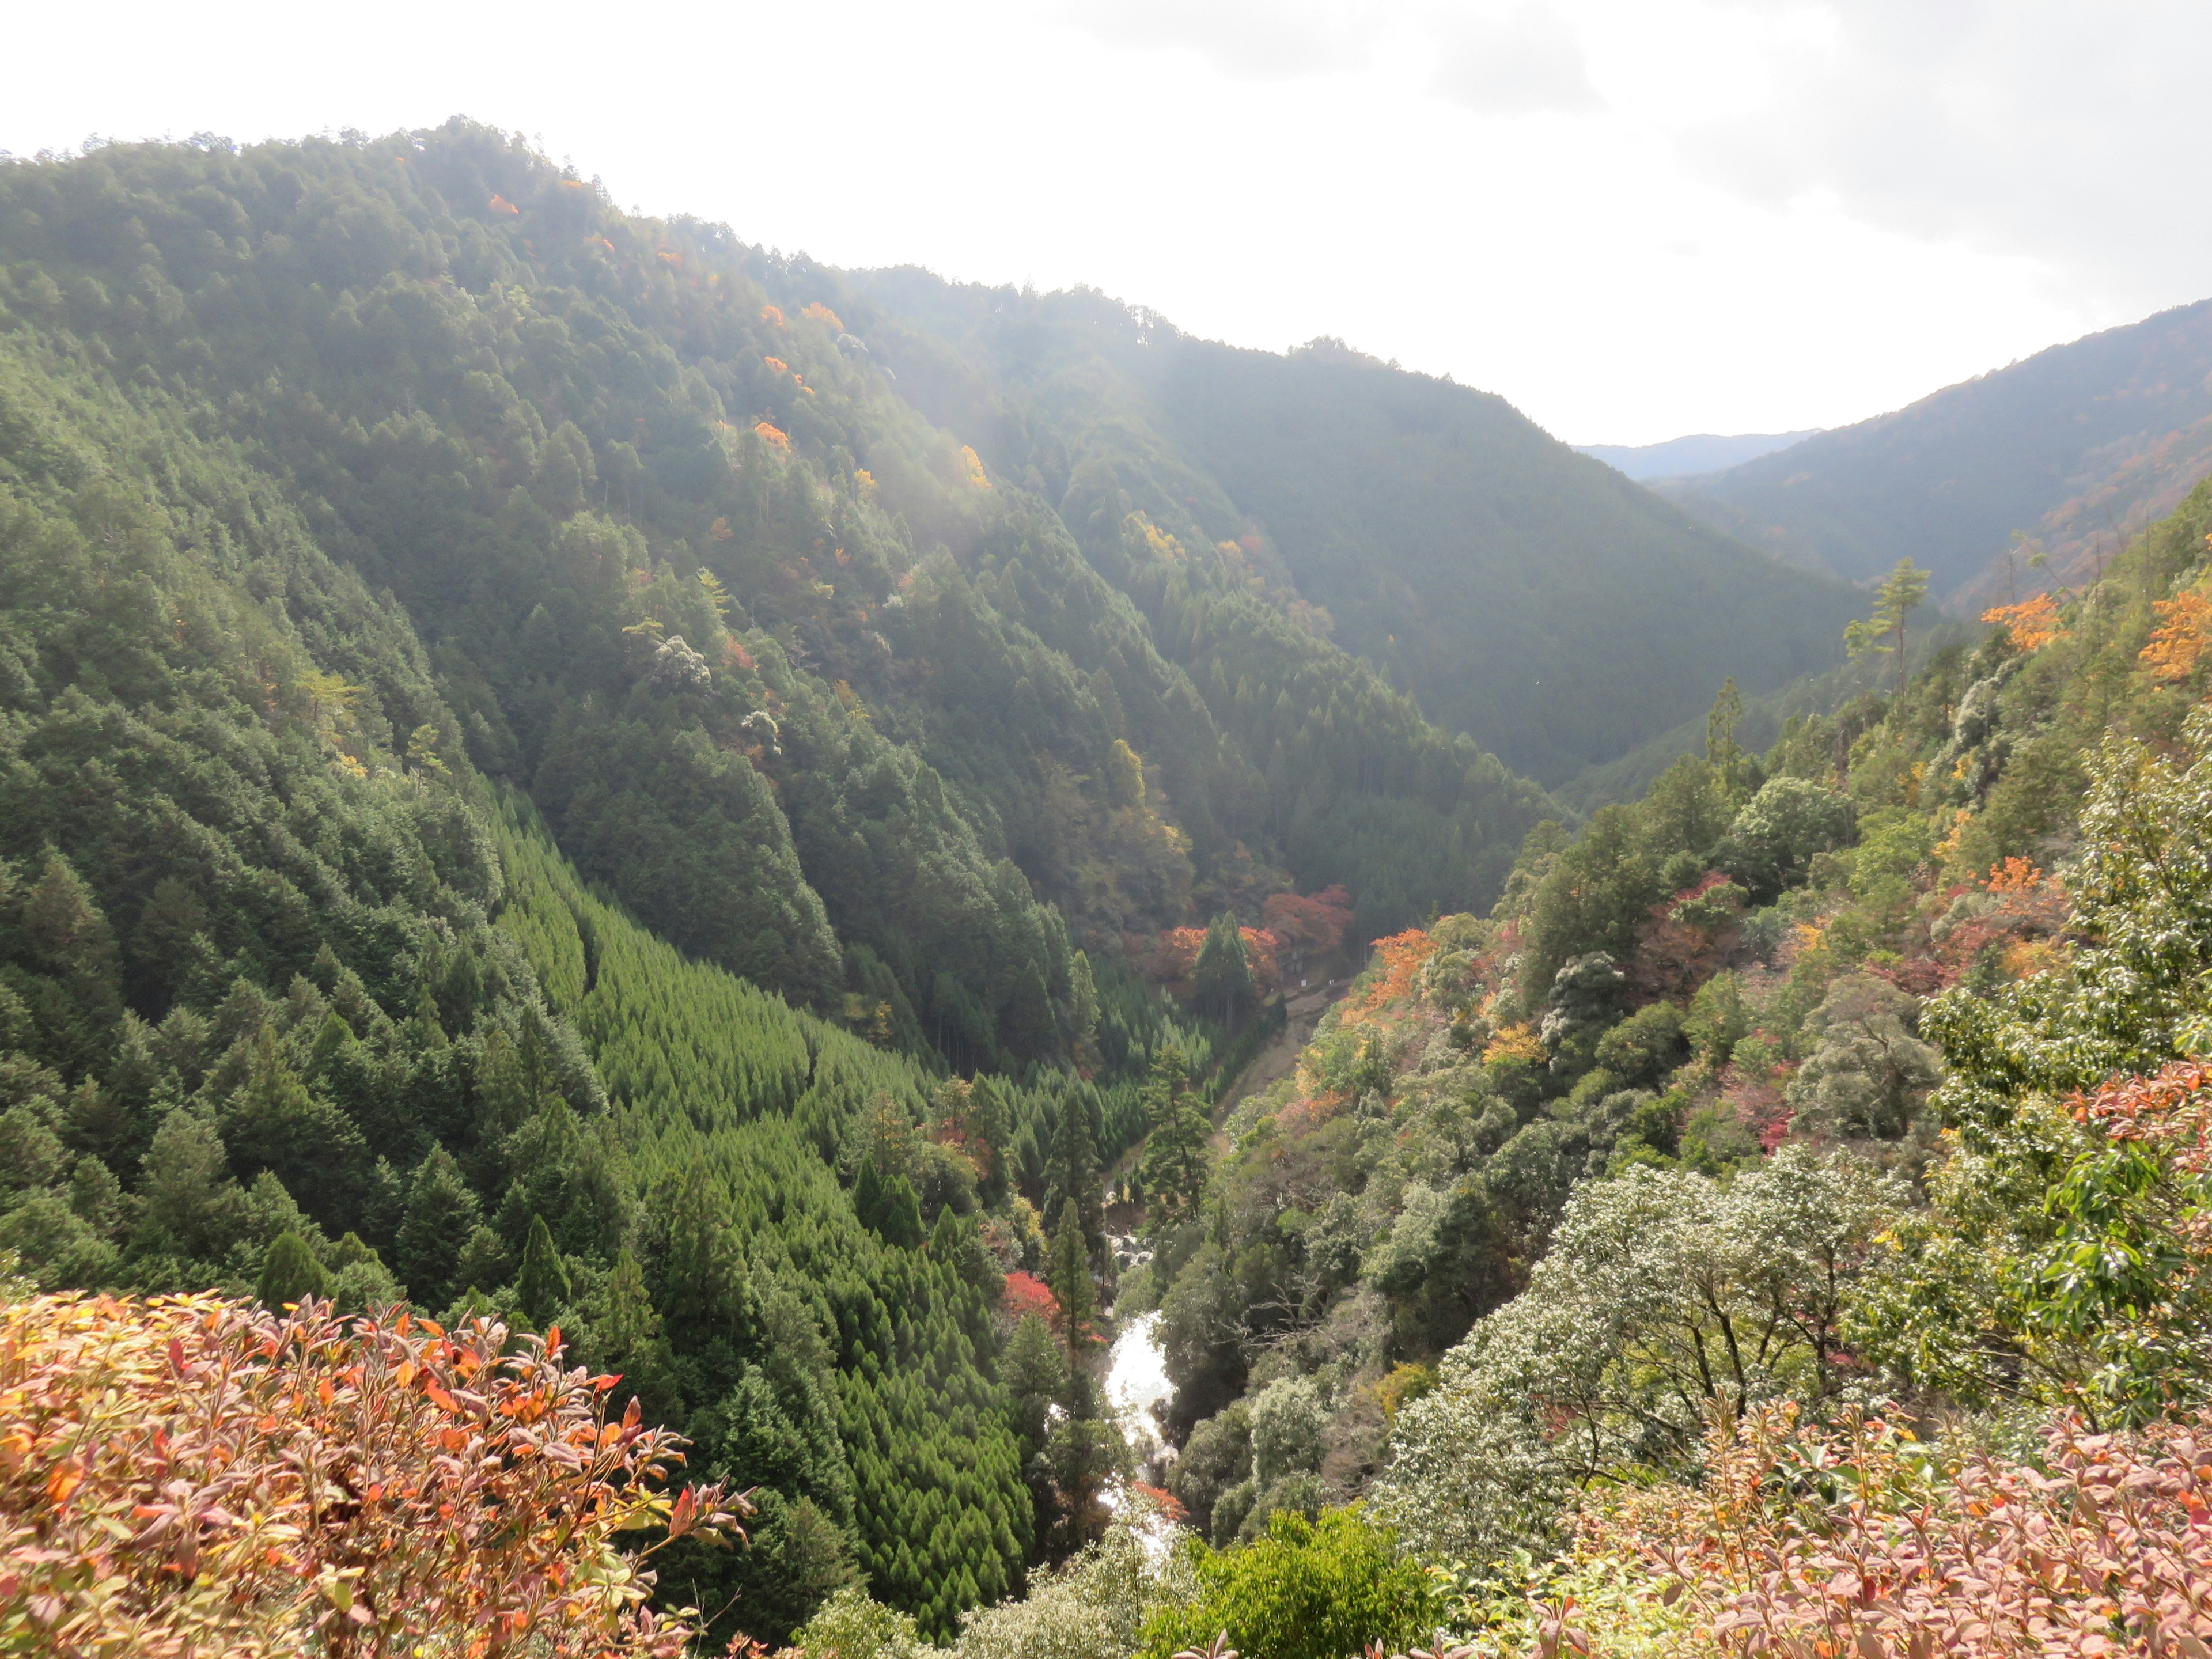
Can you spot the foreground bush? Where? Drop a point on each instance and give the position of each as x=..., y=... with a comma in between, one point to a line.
x=1872, y=1544
x=1307, y=1589
x=183, y=1476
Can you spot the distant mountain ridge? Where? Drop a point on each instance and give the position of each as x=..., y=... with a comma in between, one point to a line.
x=1524, y=594
x=2077, y=448
x=1682, y=458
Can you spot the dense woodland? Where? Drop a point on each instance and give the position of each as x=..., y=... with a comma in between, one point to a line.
x=540, y=793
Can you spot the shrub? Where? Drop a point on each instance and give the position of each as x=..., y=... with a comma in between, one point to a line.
x=1870, y=1542
x=1325, y=1589
x=184, y=1475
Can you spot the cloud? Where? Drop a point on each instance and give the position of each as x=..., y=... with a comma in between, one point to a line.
x=1527, y=61
x=1246, y=40
x=2068, y=130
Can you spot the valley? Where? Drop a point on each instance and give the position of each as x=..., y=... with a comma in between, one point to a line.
x=971, y=978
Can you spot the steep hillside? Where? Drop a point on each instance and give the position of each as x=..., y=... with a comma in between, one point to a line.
x=2079, y=448
x=1524, y=593
x=1480, y=1254
x=812, y=690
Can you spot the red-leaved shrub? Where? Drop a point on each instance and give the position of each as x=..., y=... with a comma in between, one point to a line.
x=186, y=1476
x=1864, y=1546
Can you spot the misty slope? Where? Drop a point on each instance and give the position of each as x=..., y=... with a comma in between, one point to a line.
x=912, y=747
x=2079, y=447
x=1525, y=594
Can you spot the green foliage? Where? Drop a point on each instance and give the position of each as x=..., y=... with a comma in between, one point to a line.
x=1665, y=1296
x=289, y=1273
x=1178, y=1157
x=1095, y=1606
x=1952, y=479
x=1222, y=978
x=1403, y=512
x=1318, y=1589
x=849, y=1625
x=1071, y=1281
x=1773, y=841
x=541, y=1287
x=1902, y=593
x=2054, y=1266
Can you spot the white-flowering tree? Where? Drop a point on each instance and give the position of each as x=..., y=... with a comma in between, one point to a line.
x=1665, y=1296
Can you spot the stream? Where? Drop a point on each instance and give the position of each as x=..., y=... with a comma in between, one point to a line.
x=1137, y=1383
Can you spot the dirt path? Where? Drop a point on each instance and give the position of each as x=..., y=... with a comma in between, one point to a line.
x=1301, y=1014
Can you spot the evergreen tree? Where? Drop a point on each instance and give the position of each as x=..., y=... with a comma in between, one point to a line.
x=276, y=1122
x=955, y=1243
x=69, y=974
x=1222, y=980
x=1071, y=1282
x=542, y=1284
x=191, y=1205
x=1177, y=1155
x=1722, y=752
x=888, y=1204
x=1902, y=593
x=623, y=1336
x=289, y=1273
x=1072, y=1173
x=441, y=1213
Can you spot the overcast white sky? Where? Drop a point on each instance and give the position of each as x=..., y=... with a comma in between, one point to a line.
x=1634, y=218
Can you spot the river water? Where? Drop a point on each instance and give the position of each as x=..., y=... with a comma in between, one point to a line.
x=1136, y=1382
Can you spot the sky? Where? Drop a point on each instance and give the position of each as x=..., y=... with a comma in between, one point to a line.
x=1635, y=219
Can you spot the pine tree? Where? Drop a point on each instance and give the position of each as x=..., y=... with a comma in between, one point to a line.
x=190, y=1204
x=289, y=1273
x=74, y=988
x=1072, y=1172
x=1722, y=752
x=1901, y=593
x=888, y=1207
x=541, y=1284
x=1035, y=1374
x=276, y=1122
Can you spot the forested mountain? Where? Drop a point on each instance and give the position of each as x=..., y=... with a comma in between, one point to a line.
x=2078, y=449
x=1788, y=1081
x=814, y=694
x=1522, y=593
x=474, y=667
x=560, y=773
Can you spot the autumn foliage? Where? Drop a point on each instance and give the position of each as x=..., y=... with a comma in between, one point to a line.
x=186, y=1475
x=2183, y=631
x=1026, y=1293
x=1312, y=925
x=1401, y=956
x=1174, y=957
x=1867, y=1542
x=2031, y=625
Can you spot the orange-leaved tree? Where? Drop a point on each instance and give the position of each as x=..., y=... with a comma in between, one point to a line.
x=186, y=1475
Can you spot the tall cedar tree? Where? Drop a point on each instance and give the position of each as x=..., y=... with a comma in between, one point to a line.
x=1071, y=1283
x=1177, y=1158
x=1222, y=980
